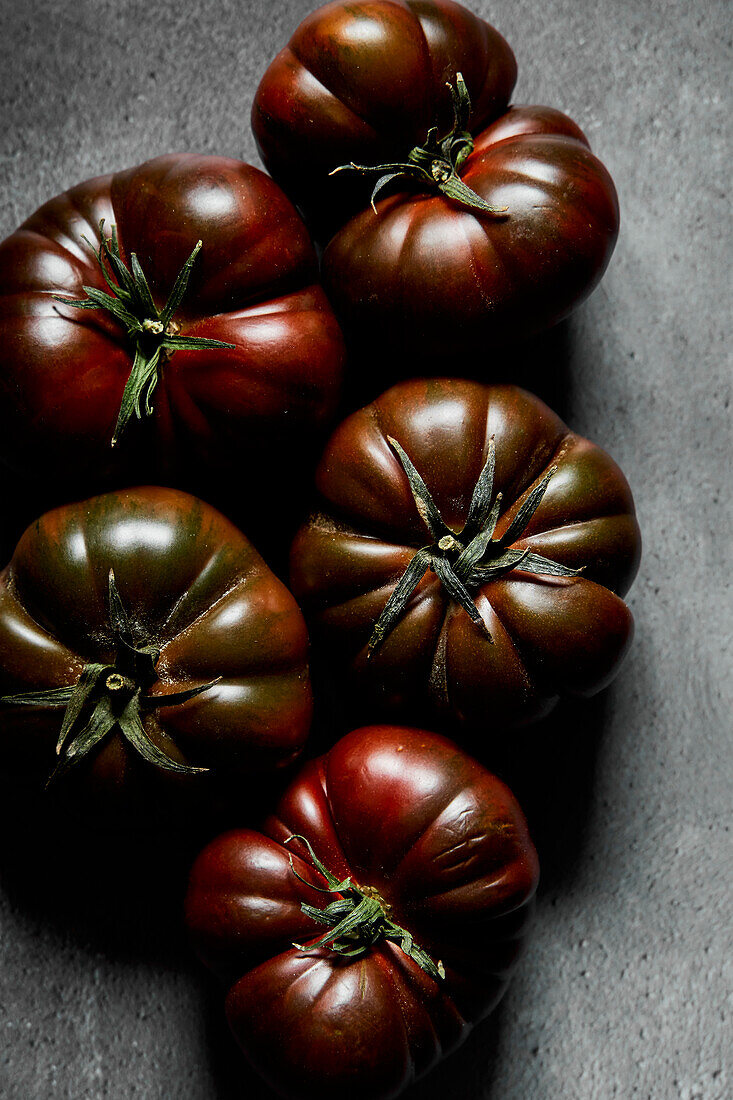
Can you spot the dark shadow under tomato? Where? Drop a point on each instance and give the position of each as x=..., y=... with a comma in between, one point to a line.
x=104, y=884
x=267, y=501
x=541, y=364
x=551, y=768
x=111, y=892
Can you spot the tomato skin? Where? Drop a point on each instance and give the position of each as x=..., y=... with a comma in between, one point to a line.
x=445, y=844
x=254, y=284
x=552, y=636
x=196, y=589
x=425, y=278
x=364, y=82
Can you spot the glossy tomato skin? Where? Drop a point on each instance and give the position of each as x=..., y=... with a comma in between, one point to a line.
x=425, y=278
x=442, y=841
x=253, y=284
x=364, y=82
x=552, y=636
x=195, y=588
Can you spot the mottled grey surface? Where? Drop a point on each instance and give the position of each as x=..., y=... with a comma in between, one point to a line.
x=625, y=989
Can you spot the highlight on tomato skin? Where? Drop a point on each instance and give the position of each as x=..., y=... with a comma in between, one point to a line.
x=465, y=561
x=373, y=920
x=165, y=322
x=147, y=656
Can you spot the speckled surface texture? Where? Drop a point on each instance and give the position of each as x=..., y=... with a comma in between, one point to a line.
x=625, y=989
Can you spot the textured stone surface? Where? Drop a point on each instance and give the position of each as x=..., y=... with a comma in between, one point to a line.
x=624, y=990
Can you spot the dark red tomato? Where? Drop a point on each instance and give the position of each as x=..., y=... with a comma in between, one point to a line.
x=142, y=634
x=504, y=221
x=485, y=504
x=426, y=856
x=252, y=287
x=364, y=82
x=426, y=277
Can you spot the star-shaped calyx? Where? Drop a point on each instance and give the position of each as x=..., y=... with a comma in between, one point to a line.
x=435, y=166
x=467, y=559
x=357, y=920
x=111, y=696
x=153, y=332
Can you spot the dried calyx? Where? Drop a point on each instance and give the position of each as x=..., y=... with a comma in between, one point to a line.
x=111, y=696
x=469, y=558
x=153, y=332
x=435, y=165
x=358, y=919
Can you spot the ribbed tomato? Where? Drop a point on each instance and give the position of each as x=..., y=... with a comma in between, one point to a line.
x=374, y=919
x=226, y=352
x=142, y=641
x=467, y=558
x=427, y=277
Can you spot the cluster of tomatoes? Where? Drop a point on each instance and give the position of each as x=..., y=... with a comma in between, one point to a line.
x=463, y=567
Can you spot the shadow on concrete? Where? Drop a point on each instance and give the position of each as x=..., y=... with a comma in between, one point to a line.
x=118, y=893
x=113, y=885
x=551, y=768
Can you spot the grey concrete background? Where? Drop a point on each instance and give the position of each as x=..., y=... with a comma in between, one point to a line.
x=625, y=989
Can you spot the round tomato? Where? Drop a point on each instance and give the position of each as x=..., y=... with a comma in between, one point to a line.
x=172, y=310
x=503, y=220
x=145, y=650
x=468, y=557
x=375, y=918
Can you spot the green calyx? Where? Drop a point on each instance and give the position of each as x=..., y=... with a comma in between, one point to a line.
x=111, y=696
x=435, y=165
x=467, y=559
x=358, y=919
x=153, y=332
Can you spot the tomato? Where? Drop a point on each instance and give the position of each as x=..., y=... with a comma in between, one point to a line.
x=425, y=277
x=143, y=641
x=364, y=81
x=426, y=855
x=503, y=220
x=189, y=358
x=439, y=571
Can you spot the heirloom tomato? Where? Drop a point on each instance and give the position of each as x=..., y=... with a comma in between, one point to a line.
x=182, y=293
x=467, y=558
x=497, y=221
x=374, y=919
x=143, y=641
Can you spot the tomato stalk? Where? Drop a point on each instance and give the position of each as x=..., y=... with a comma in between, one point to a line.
x=111, y=696
x=153, y=332
x=469, y=558
x=358, y=919
x=435, y=165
